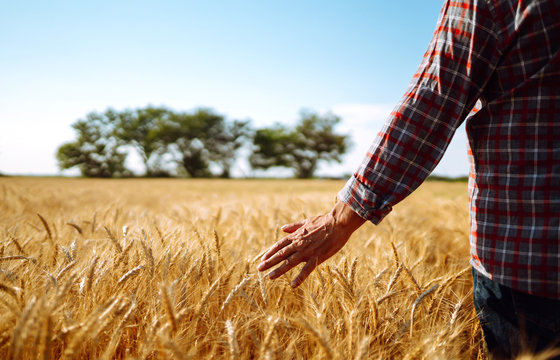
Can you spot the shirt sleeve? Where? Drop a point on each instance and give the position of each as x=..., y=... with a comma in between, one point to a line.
x=459, y=62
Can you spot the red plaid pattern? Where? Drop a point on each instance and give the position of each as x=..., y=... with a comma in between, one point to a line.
x=505, y=53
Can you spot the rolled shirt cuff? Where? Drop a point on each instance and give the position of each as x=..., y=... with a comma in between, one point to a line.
x=363, y=201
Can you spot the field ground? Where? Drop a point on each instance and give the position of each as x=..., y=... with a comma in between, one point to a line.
x=159, y=269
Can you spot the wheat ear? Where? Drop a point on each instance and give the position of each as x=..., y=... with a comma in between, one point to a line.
x=232, y=341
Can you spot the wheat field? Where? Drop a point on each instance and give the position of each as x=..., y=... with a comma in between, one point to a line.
x=166, y=269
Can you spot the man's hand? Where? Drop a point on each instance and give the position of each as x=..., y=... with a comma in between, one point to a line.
x=311, y=241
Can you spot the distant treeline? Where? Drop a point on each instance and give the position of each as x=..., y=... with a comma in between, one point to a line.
x=201, y=143
x=448, y=178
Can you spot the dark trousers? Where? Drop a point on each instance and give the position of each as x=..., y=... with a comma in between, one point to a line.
x=514, y=322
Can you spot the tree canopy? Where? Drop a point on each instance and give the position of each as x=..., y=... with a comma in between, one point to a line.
x=302, y=148
x=96, y=150
x=143, y=130
x=203, y=138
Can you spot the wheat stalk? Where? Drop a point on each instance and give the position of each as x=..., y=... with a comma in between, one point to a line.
x=417, y=302
x=17, y=257
x=232, y=340
x=148, y=253
x=124, y=255
x=263, y=289
x=235, y=291
x=109, y=351
x=169, y=308
x=377, y=278
x=76, y=227
x=412, y=280
x=91, y=327
x=18, y=246
x=394, y=278
x=352, y=274
x=374, y=314
x=65, y=269
x=46, y=336
x=395, y=255
x=446, y=284
x=176, y=350
x=16, y=344
x=363, y=348
x=130, y=274
x=9, y=290
x=113, y=239
x=272, y=322
x=211, y=290
x=456, y=310
x=322, y=340
x=91, y=274
x=217, y=242
x=46, y=226
x=67, y=254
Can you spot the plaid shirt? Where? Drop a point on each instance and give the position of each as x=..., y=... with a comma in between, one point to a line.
x=506, y=54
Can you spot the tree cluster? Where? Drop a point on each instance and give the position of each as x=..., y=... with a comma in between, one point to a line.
x=201, y=143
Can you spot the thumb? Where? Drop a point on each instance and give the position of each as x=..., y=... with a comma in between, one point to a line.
x=290, y=228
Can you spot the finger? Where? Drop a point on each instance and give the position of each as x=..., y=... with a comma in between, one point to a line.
x=277, y=246
x=290, y=228
x=277, y=258
x=286, y=266
x=304, y=273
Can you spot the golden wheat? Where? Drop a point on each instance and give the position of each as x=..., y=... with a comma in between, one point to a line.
x=180, y=279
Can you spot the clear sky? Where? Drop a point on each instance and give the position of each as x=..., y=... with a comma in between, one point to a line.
x=260, y=60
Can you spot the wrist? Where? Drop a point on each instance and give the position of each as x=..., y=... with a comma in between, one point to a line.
x=345, y=217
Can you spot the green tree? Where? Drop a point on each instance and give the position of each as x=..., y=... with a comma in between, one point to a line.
x=202, y=139
x=96, y=150
x=186, y=136
x=302, y=148
x=226, y=142
x=142, y=129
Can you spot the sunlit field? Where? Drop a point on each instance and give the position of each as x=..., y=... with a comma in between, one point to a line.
x=166, y=269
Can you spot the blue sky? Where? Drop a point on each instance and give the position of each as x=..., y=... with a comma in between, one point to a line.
x=258, y=60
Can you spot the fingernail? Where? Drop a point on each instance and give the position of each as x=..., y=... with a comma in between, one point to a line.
x=260, y=266
x=293, y=284
x=284, y=227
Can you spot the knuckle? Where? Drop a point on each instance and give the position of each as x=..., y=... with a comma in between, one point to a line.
x=292, y=260
x=299, y=243
x=285, y=253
